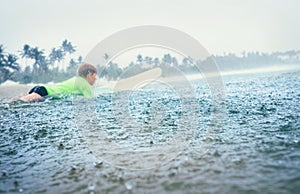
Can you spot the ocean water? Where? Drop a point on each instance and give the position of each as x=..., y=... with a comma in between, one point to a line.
x=91, y=146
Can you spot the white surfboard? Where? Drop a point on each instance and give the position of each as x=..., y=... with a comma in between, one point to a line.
x=129, y=83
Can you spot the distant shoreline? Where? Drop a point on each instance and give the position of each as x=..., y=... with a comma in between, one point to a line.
x=268, y=69
x=10, y=89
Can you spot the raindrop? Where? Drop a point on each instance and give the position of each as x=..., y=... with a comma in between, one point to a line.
x=186, y=159
x=173, y=172
x=91, y=187
x=61, y=146
x=128, y=185
x=98, y=164
x=20, y=138
x=73, y=168
x=4, y=173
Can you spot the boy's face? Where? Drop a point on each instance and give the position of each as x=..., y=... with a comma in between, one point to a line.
x=91, y=78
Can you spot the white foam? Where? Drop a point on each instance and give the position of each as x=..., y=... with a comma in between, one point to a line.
x=9, y=83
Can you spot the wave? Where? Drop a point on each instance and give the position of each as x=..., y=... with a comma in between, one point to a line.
x=270, y=69
x=9, y=83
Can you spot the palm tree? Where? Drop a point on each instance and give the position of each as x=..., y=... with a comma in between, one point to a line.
x=167, y=59
x=114, y=71
x=56, y=55
x=79, y=60
x=8, y=65
x=40, y=64
x=73, y=66
x=67, y=48
x=148, y=60
x=156, y=61
x=25, y=53
x=106, y=57
x=139, y=58
x=174, y=61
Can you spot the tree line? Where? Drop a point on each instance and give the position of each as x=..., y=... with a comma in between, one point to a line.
x=256, y=59
x=59, y=64
x=187, y=65
x=37, y=66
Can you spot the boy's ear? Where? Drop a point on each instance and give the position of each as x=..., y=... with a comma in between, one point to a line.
x=89, y=73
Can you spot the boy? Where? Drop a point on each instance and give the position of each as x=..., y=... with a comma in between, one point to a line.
x=78, y=85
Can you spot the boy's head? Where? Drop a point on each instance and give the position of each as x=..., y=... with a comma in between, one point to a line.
x=88, y=72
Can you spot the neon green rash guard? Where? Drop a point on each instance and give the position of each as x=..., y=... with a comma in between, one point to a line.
x=75, y=86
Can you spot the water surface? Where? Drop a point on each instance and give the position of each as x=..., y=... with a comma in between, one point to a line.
x=256, y=150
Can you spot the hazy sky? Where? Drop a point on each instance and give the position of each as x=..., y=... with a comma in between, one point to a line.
x=219, y=25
